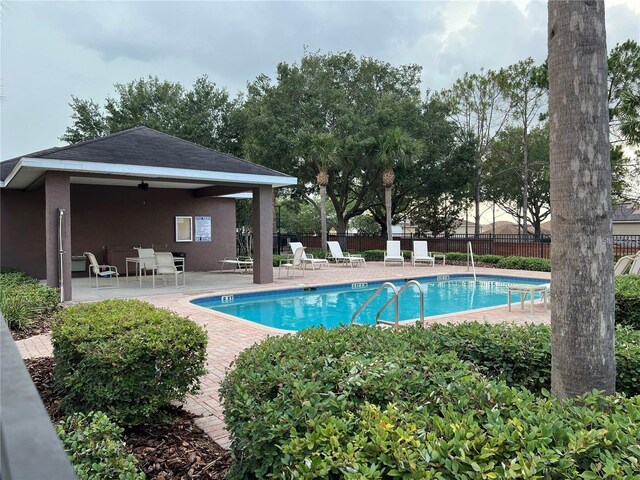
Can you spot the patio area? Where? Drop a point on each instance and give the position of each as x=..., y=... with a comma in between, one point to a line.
x=229, y=335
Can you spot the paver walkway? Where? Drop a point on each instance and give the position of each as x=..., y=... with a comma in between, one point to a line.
x=229, y=335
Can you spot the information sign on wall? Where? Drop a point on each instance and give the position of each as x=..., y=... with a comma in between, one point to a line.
x=203, y=229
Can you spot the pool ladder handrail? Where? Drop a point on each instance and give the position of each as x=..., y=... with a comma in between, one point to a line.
x=396, y=297
x=473, y=265
x=382, y=287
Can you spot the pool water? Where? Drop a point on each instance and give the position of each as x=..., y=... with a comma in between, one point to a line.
x=333, y=306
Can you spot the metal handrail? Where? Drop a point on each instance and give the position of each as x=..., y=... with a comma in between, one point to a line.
x=396, y=297
x=382, y=287
x=473, y=265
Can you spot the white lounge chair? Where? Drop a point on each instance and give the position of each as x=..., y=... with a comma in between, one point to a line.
x=244, y=264
x=393, y=253
x=623, y=264
x=308, y=259
x=420, y=253
x=635, y=266
x=165, y=265
x=102, y=271
x=346, y=258
x=292, y=263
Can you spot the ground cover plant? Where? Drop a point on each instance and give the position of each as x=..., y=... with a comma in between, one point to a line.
x=126, y=358
x=446, y=402
x=627, y=300
x=23, y=299
x=174, y=449
x=95, y=447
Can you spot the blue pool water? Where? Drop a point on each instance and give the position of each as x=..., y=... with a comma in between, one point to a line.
x=333, y=306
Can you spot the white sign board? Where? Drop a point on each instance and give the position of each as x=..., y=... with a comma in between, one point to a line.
x=203, y=229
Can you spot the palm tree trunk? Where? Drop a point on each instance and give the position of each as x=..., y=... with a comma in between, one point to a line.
x=582, y=313
x=387, y=206
x=323, y=216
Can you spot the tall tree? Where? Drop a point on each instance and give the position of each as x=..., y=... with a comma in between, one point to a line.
x=582, y=313
x=506, y=172
x=320, y=149
x=199, y=115
x=480, y=109
x=526, y=88
x=395, y=148
x=340, y=94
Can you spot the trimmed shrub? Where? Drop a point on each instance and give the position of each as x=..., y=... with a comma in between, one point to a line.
x=492, y=259
x=95, y=447
x=627, y=293
x=362, y=402
x=525, y=263
x=23, y=298
x=378, y=255
x=126, y=358
x=277, y=258
x=456, y=256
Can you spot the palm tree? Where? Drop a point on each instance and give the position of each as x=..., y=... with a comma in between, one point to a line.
x=395, y=148
x=582, y=313
x=320, y=150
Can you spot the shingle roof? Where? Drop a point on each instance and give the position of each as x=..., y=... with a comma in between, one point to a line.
x=143, y=146
x=627, y=212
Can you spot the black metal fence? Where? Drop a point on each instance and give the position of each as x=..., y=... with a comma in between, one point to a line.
x=483, y=244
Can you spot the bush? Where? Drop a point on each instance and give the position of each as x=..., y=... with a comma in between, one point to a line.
x=525, y=263
x=378, y=255
x=22, y=299
x=277, y=258
x=95, y=447
x=361, y=402
x=492, y=259
x=627, y=294
x=126, y=358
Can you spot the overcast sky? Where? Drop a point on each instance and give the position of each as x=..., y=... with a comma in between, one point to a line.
x=52, y=50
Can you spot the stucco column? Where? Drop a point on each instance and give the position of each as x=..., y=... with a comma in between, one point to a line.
x=57, y=196
x=263, y=234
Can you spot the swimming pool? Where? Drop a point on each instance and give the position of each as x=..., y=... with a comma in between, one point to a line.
x=334, y=305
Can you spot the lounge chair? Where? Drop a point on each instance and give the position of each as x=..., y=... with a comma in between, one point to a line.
x=623, y=264
x=292, y=263
x=308, y=259
x=346, y=258
x=102, y=271
x=420, y=253
x=393, y=253
x=244, y=264
x=635, y=266
x=165, y=265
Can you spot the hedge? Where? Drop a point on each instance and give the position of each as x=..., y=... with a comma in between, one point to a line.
x=23, y=298
x=525, y=263
x=627, y=299
x=125, y=358
x=95, y=448
x=361, y=402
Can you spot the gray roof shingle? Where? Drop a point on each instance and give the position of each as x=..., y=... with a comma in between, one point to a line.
x=143, y=146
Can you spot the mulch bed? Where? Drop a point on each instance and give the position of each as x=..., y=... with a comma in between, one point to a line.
x=179, y=450
x=38, y=326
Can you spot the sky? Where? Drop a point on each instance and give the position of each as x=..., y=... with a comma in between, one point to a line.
x=52, y=50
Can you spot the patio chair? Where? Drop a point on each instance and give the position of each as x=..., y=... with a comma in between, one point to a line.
x=308, y=259
x=623, y=264
x=635, y=266
x=346, y=258
x=102, y=271
x=393, y=253
x=165, y=265
x=244, y=264
x=292, y=263
x=420, y=253
x=146, y=262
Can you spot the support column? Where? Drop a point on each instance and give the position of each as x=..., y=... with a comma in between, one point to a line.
x=263, y=234
x=58, y=195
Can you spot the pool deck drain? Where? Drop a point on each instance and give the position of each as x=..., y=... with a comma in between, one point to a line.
x=228, y=335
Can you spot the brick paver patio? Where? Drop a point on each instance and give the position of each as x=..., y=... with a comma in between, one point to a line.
x=229, y=335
